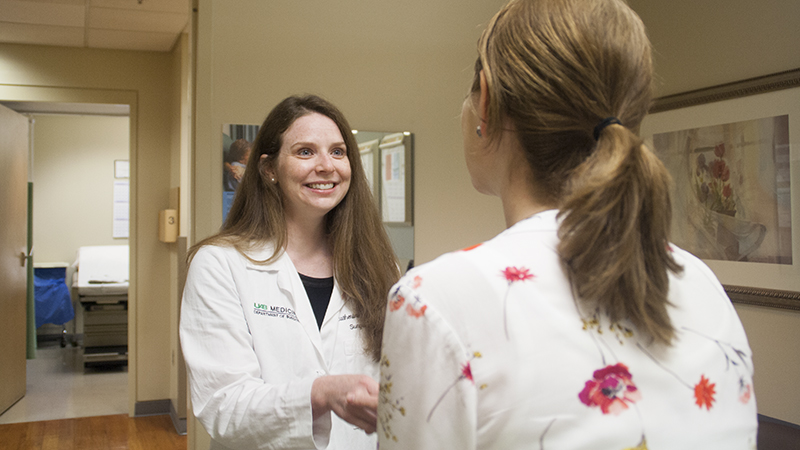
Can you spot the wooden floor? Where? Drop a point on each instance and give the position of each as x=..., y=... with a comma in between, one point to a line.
x=118, y=432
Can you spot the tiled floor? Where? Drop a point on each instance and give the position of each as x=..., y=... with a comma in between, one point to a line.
x=59, y=388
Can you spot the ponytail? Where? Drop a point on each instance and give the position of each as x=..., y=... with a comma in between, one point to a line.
x=614, y=235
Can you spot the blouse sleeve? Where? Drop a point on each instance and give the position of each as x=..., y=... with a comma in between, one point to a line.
x=229, y=396
x=427, y=394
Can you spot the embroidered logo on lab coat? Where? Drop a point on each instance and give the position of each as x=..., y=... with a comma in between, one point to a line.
x=281, y=312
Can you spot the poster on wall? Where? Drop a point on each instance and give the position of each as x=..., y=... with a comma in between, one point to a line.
x=237, y=142
x=121, y=227
x=395, y=179
x=732, y=189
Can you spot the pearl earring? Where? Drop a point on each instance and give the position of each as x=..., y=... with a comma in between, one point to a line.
x=479, y=131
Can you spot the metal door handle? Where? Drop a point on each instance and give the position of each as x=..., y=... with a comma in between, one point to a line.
x=23, y=257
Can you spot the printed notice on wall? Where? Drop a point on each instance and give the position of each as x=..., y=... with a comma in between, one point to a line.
x=393, y=181
x=121, y=208
x=369, y=154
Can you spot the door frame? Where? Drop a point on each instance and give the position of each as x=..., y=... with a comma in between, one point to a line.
x=44, y=94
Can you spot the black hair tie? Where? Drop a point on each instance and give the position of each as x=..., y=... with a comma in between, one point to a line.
x=603, y=124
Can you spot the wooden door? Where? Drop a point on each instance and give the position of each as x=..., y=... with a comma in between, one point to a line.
x=13, y=244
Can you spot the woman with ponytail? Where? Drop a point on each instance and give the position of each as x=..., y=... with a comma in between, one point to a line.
x=580, y=326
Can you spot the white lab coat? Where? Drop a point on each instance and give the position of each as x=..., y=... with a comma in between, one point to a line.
x=253, y=349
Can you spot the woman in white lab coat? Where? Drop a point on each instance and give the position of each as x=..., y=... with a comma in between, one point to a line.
x=580, y=326
x=282, y=313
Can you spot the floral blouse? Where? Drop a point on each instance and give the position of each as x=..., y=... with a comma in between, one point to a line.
x=486, y=348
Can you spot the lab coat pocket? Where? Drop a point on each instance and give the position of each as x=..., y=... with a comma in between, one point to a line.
x=355, y=359
x=351, y=347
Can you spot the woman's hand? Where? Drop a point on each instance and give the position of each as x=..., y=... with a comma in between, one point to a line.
x=238, y=172
x=354, y=398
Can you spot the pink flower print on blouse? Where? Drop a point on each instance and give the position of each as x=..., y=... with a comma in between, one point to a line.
x=413, y=312
x=512, y=275
x=745, y=391
x=466, y=374
x=611, y=389
x=396, y=302
x=417, y=282
x=704, y=393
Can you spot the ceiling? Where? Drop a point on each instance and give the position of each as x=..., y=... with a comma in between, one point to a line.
x=149, y=25
x=67, y=108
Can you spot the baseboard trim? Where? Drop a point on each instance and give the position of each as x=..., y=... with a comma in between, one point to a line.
x=177, y=422
x=768, y=419
x=152, y=408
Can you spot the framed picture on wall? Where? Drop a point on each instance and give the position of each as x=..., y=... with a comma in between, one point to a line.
x=734, y=155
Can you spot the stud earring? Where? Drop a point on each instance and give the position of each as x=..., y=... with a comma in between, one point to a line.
x=479, y=131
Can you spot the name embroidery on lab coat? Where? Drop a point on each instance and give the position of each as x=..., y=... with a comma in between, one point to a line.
x=353, y=326
x=280, y=312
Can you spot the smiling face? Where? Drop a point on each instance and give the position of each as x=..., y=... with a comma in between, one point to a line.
x=312, y=169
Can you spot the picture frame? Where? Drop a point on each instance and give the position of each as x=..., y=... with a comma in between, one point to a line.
x=745, y=105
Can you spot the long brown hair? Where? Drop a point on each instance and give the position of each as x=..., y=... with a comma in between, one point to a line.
x=554, y=70
x=364, y=263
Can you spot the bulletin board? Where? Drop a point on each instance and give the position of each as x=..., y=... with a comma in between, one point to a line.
x=396, y=178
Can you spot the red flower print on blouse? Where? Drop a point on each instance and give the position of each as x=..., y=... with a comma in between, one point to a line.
x=416, y=312
x=466, y=372
x=396, y=302
x=704, y=393
x=611, y=389
x=417, y=282
x=514, y=274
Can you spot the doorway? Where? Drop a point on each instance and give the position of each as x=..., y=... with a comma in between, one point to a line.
x=76, y=147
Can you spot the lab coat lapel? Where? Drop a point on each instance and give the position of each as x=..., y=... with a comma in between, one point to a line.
x=331, y=322
x=289, y=282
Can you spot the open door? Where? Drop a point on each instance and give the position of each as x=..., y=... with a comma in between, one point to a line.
x=13, y=260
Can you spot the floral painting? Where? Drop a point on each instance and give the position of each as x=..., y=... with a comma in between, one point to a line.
x=731, y=197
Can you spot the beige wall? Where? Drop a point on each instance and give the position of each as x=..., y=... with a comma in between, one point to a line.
x=73, y=173
x=707, y=43
x=388, y=65
x=142, y=80
x=710, y=42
